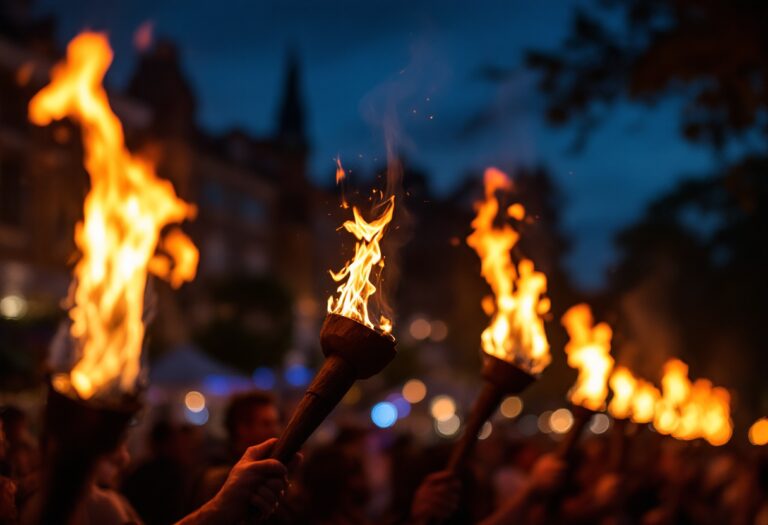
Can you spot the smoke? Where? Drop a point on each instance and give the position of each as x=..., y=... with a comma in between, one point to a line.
x=385, y=109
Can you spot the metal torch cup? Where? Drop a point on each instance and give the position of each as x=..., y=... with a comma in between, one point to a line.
x=352, y=352
x=76, y=434
x=501, y=379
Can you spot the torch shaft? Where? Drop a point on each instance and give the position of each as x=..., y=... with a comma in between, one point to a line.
x=329, y=386
x=484, y=407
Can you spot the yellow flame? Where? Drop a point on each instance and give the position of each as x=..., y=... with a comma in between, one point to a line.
x=623, y=385
x=589, y=351
x=644, y=402
x=125, y=211
x=516, y=331
x=691, y=411
x=352, y=301
x=340, y=174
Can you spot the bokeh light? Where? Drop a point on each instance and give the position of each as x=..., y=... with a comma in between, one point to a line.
x=384, y=414
x=13, y=307
x=511, y=407
x=560, y=421
x=420, y=329
x=442, y=408
x=414, y=391
x=758, y=432
x=194, y=401
x=197, y=418
x=448, y=427
x=403, y=407
x=439, y=331
x=600, y=424
x=528, y=425
x=298, y=375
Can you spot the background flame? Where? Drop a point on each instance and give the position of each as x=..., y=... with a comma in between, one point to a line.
x=623, y=385
x=516, y=332
x=125, y=211
x=644, y=402
x=358, y=288
x=589, y=351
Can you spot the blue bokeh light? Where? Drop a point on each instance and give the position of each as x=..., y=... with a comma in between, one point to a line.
x=403, y=406
x=196, y=418
x=298, y=375
x=384, y=414
x=264, y=378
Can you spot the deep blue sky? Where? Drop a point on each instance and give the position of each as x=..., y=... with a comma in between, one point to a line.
x=367, y=61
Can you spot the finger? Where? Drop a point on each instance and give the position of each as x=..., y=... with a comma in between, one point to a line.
x=260, y=451
x=267, y=469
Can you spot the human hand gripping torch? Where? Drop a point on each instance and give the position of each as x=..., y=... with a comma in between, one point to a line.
x=589, y=351
x=515, y=347
x=91, y=401
x=353, y=346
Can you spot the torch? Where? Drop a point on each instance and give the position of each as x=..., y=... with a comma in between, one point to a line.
x=515, y=347
x=589, y=351
x=92, y=399
x=353, y=346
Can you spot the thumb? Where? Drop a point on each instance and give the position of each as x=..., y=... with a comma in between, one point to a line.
x=260, y=451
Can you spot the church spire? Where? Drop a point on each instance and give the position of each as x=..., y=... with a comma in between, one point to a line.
x=290, y=124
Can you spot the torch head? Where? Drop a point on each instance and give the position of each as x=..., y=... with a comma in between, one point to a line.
x=505, y=376
x=365, y=350
x=75, y=424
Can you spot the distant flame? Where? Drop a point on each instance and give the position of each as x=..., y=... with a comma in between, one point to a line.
x=125, y=211
x=644, y=402
x=589, y=351
x=758, y=432
x=690, y=411
x=623, y=385
x=516, y=332
x=143, y=36
x=354, y=293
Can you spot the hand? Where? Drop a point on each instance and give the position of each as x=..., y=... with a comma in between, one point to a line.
x=548, y=473
x=437, y=498
x=255, y=481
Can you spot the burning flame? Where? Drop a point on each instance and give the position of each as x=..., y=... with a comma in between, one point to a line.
x=623, y=384
x=676, y=388
x=690, y=411
x=589, y=351
x=125, y=211
x=644, y=402
x=354, y=293
x=758, y=432
x=516, y=332
x=340, y=174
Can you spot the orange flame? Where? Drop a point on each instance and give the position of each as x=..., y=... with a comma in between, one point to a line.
x=644, y=402
x=125, y=211
x=340, y=174
x=758, y=432
x=589, y=351
x=516, y=332
x=623, y=384
x=690, y=411
x=358, y=288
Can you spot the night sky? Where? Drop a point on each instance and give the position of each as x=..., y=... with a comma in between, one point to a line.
x=367, y=64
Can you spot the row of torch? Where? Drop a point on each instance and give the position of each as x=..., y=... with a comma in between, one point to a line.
x=127, y=233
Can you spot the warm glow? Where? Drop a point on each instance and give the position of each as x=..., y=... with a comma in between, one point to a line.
x=758, y=432
x=414, y=391
x=516, y=332
x=340, y=175
x=690, y=411
x=442, y=408
x=644, y=402
x=355, y=278
x=125, y=211
x=623, y=385
x=561, y=421
x=675, y=388
x=589, y=351
x=511, y=407
x=194, y=401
